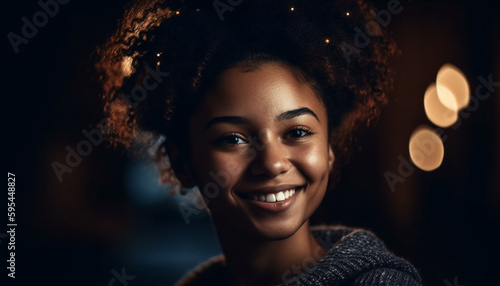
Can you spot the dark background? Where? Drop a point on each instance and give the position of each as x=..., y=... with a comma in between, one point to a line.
x=110, y=213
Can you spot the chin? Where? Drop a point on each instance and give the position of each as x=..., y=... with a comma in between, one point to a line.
x=278, y=229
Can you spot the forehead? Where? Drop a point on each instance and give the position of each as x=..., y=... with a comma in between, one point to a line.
x=267, y=90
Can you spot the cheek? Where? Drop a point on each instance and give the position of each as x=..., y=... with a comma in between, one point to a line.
x=313, y=162
x=314, y=165
x=220, y=168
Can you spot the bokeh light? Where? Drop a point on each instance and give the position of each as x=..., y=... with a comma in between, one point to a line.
x=426, y=148
x=452, y=87
x=436, y=111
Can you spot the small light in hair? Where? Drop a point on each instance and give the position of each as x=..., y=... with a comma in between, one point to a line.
x=327, y=41
x=348, y=14
x=198, y=10
x=158, y=54
x=292, y=9
x=158, y=63
x=177, y=12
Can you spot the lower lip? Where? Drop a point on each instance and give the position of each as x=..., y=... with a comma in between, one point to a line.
x=276, y=206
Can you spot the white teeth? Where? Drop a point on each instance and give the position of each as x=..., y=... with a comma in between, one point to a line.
x=270, y=198
x=280, y=197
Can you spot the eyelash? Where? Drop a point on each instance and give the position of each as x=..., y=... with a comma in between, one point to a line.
x=306, y=132
x=225, y=139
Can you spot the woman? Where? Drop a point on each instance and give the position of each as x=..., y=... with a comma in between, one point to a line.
x=257, y=111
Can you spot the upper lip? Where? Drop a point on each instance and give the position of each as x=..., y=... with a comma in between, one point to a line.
x=271, y=189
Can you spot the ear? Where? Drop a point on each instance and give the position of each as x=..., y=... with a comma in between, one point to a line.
x=180, y=164
x=331, y=157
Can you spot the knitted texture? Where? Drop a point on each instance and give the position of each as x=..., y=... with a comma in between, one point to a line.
x=355, y=257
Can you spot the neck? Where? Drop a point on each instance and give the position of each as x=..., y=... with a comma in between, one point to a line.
x=256, y=261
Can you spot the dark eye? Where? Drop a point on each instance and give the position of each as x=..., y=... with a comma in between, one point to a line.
x=297, y=133
x=232, y=139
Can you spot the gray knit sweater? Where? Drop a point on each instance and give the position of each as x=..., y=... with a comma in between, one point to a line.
x=355, y=257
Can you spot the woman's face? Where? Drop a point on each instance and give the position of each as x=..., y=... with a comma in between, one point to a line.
x=260, y=152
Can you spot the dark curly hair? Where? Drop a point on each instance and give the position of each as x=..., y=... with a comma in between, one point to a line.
x=194, y=41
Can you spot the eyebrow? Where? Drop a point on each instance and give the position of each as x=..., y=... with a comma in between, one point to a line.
x=295, y=113
x=237, y=120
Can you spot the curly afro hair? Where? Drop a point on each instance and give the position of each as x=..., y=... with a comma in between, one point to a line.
x=194, y=41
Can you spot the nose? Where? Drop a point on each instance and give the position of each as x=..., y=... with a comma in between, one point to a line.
x=271, y=159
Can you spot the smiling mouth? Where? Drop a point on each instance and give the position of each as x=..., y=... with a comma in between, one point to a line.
x=272, y=197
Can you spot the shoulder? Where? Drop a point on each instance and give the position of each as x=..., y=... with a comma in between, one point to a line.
x=356, y=257
x=387, y=276
x=336, y=236
x=210, y=272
